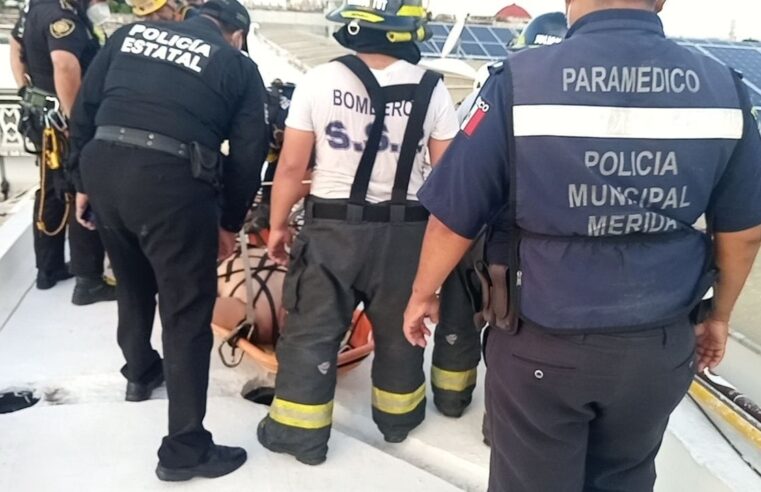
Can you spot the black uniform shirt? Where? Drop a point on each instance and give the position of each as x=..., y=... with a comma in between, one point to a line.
x=51, y=25
x=182, y=80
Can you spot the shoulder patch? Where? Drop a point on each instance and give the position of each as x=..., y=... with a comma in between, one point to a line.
x=476, y=116
x=62, y=28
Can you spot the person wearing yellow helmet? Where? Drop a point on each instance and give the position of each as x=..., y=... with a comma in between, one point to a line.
x=154, y=10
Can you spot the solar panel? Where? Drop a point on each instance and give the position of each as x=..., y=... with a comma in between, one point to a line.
x=472, y=50
x=467, y=36
x=439, y=30
x=483, y=34
x=439, y=45
x=495, y=51
x=746, y=60
x=503, y=34
x=428, y=48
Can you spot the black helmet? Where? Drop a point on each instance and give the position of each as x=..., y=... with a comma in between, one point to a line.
x=403, y=20
x=542, y=31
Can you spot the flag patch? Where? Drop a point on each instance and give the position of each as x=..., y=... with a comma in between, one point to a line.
x=476, y=117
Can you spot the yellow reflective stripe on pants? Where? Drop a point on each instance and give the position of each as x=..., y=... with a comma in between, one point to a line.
x=300, y=415
x=398, y=403
x=453, y=380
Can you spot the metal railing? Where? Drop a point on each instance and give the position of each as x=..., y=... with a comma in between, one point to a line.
x=11, y=141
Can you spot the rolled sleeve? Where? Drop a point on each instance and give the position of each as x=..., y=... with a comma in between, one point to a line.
x=300, y=110
x=469, y=186
x=68, y=34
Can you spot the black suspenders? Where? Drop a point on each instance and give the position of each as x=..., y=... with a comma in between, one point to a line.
x=379, y=97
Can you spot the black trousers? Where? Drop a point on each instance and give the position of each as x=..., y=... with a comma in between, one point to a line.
x=335, y=266
x=582, y=413
x=159, y=225
x=85, y=246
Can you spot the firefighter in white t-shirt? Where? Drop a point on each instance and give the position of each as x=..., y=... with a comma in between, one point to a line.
x=372, y=119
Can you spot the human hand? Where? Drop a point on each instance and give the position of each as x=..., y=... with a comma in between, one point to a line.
x=711, y=343
x=83, y=212
x=418, y=309
x=278, y=240
x=227, y=242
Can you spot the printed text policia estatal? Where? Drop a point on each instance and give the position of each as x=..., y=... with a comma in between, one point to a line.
x=169, y=46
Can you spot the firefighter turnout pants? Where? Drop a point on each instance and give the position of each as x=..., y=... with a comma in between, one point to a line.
x=335, y=266
x=457, y=341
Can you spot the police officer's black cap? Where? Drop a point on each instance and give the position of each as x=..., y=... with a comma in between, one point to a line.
x=230, y=12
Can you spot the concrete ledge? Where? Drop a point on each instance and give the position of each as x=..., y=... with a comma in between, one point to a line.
x=17, y=267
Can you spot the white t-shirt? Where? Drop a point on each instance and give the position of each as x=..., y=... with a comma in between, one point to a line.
x=331, y=102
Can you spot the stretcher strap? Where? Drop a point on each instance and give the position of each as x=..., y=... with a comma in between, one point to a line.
x=250, y=312
x=398, y=403
x=301, y=415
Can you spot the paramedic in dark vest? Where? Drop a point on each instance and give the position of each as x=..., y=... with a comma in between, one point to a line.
x=147, y=157
x=592, y=159
x=364, y=226
x=54, y=43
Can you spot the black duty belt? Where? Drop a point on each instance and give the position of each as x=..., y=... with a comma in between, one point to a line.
x=366, y=213
x=143, y=139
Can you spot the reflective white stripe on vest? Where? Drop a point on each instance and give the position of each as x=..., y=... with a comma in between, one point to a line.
x=613, y=122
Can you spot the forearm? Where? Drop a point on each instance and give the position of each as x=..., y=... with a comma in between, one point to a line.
x=735, y=254
x=442, y=251
x=17, y=64
x=68, y=79
x=287, y=189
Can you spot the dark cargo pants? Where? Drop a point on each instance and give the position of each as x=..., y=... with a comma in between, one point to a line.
x=582, y=413
x=160, y=228
x=334, y=266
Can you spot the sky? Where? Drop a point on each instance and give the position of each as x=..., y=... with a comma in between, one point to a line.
x=681, y=18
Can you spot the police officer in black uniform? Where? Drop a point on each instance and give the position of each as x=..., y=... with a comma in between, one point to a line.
x=147, y=156
x=58, y=43
x=591, y=160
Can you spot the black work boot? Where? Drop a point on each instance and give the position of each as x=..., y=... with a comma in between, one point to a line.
x=48, y=280
x=395, y=437
x=220, y=460
x=142, y=391
x=452, y=405
x=92, y=290
x=312, y=459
